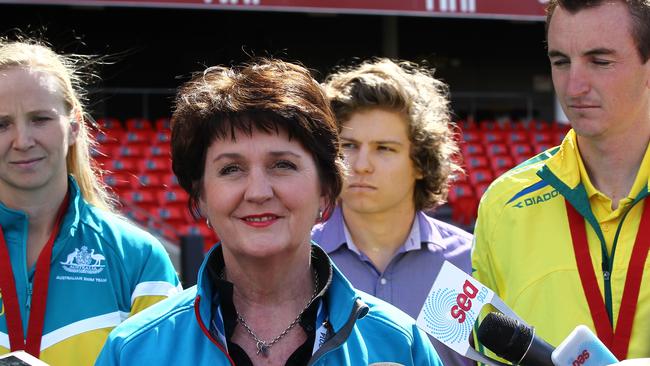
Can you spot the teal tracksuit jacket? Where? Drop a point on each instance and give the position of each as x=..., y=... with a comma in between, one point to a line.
x=365, y=330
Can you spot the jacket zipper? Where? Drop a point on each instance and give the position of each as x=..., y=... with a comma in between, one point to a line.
x=28, y=303
x=359, y=310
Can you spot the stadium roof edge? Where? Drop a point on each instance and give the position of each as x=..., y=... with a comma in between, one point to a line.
x=524, y=10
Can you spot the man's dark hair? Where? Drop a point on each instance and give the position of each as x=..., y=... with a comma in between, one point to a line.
x=639, y=11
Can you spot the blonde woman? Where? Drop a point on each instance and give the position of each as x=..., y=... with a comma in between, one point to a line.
x=71, y=269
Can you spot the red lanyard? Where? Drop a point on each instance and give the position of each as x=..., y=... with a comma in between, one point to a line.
x=39, y=298
x=617, y=341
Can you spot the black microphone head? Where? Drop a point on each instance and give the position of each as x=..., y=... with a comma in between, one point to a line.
x=506, y=337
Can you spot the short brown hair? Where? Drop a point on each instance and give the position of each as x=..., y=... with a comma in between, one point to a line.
x=264, y=95
x=412, y=91
x=639, y=11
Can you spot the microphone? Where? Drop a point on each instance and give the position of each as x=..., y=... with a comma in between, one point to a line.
x=514, y=341
x=582, y=348
x=517, y=343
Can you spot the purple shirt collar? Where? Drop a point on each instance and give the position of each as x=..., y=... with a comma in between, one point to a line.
x=335, y=233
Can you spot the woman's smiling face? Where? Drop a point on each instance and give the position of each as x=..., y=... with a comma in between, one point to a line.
x=261, y=193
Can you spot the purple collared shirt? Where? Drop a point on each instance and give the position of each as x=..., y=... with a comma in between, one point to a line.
x=409, y=275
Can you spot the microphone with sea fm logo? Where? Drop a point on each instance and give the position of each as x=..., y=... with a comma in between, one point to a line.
x=453, y=306
x=517, y=343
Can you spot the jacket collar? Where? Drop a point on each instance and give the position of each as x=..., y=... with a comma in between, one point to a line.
x=340, y=297
x=561, y=172
x=566, y=164
x=11, y=219
x=14, y=222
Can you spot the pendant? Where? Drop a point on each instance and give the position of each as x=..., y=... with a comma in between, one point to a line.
x=262, y=348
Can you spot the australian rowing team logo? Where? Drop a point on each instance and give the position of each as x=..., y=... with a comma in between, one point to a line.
x=82, y=261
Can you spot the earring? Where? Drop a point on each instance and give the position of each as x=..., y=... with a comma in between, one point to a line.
x=320, y=215
x=207, y=222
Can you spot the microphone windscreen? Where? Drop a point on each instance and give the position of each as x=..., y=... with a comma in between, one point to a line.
x=506, y=337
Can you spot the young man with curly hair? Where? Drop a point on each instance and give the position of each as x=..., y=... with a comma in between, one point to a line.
x=397, y=140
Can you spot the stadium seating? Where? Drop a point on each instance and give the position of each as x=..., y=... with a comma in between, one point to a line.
x=162, y=123
x=491, y=148
x=160, y=150
x=134, y=124
x=136, y=157
x=118, y=181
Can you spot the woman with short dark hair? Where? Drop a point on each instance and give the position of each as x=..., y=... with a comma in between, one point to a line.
x=257, y=149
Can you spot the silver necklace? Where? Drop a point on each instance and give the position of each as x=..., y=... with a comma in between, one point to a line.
x=264, y=347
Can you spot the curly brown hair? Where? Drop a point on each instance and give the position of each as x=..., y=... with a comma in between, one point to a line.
x=411, y=90
x=263, y=95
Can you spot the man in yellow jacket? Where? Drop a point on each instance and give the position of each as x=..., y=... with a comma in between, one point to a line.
x=563, y=238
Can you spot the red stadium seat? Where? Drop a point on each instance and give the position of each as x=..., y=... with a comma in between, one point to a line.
x=139, y=137
x=502, y=162
x=109, y=137
x=476, y=162
x=123, y=165
x=492, y=137
x=162, y=123
x=521, y=149
x=505, y=125
x=541, y=137
x=174, y=196
x=172, y=215
x=162, y=137
x=163, y=151
x=133, y=124
x=460, y=190
x=466, y=125
x=141, y=198
x=170, y=180
x=488, y=125
x=463, y=202
x=478, y=176
x=539, y=125
x=472, y=148
x=109, y=124
x=538, y=148
x=118, y=181
x=148, y=182
x=516, y=137
x=100, y=151
x=496, y=149
x=480, y=189
x=155, y=165
x=129, y=151
x=471, y=136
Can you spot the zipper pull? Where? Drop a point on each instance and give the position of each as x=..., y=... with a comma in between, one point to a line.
x=606, y=271
x=28, y=305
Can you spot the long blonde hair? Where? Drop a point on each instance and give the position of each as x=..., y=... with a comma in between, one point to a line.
x=65, y=69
